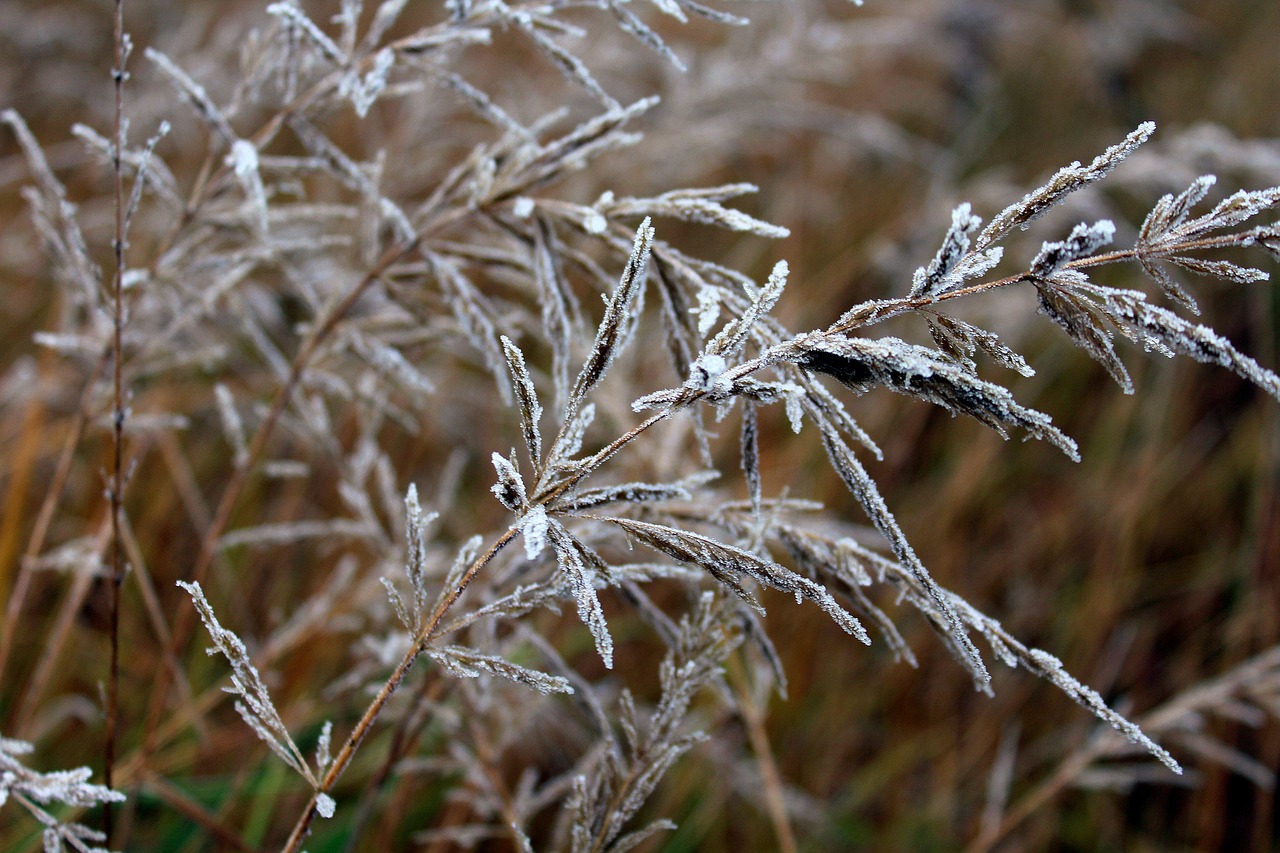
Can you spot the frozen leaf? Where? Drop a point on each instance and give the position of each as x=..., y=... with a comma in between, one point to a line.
x=527, y=399
x=533, y=527
x=255, y=707
x=864, y=489
x=939, y=277
x=1048, y=666
x=581, y=581
x=619, y=320
x=1083, y=242
x=725, y=561
x=749, y=448
x=509, y=490
x=629, y=493
x=297, y=19
x=554, y=300
x=569, y=65
x=469, y=663
x=1157, y=327
x=701, y=205
x=1064, y=182
x=364, y=91
x=1086, y=325
x=730, y=340
x=862, y=363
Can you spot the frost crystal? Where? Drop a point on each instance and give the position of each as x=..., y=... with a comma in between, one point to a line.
x=533, y=526
x=325, y=805
x=522, y=208
x=243, y=161
x=243, y=158
x=705, y=372
x=708, y=309
x=594, y=222
x=795, y=411
x=363, y=91
x=1084, y=241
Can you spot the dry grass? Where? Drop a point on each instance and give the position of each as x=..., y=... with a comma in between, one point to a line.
x=1149, y=567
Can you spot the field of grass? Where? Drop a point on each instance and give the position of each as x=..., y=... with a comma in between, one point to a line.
x=320, y=272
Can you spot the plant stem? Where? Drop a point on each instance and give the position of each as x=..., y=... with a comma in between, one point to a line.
x=370, y=716
x=116, y=488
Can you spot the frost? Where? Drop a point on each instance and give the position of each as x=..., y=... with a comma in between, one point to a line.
x=243, y=158
x=594, y=222
x=708, y=309
x=705, y=372
x=792, y=396
x=509, y=490
x=522, y=207
x=533, y=526
x=364, y=91
x=243, y=161
x=325, y=805
x=1084, y=241
x=941, y=275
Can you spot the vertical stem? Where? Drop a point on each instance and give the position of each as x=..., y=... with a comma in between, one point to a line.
x=118, y=416
x=770, y=777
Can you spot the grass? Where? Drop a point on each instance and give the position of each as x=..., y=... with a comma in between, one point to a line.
x=327, y=332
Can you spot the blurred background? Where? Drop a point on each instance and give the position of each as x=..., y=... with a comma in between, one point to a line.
x=1148, y=567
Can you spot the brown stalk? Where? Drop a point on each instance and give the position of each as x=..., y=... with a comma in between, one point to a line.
x=116, y=487
x=303, y=826
x=403, y=741
x=35, y=544
x=753, y=718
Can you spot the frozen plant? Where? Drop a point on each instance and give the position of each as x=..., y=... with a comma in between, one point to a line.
x=466, y=461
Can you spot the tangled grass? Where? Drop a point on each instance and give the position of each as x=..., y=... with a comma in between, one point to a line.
x=323, y=375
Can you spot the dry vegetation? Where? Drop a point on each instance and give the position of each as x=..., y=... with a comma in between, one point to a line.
x=435, y=366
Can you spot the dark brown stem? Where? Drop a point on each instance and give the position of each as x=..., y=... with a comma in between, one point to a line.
x=116, y=488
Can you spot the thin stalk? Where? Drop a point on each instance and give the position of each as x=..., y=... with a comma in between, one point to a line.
x=403, y=740
x=303, y=826
x=116, y=488
x=770, y=777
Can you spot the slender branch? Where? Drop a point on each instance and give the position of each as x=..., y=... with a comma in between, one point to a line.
x=403, y=740
x=770, y=777
x=370, y=716
x=116, y=487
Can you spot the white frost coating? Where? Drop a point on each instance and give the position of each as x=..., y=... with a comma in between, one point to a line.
x=413, y=507
x=594, y=222
x=243, y=161
x=325, y=805
x=533, y=526
x=243, y=158
x=364, y=91
x=705, y=372
x=708, y=309
x=793, y=394
x=1083, y=241
x=522, y=207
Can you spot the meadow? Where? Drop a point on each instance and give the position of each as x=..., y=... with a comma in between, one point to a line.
x=412, y=440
